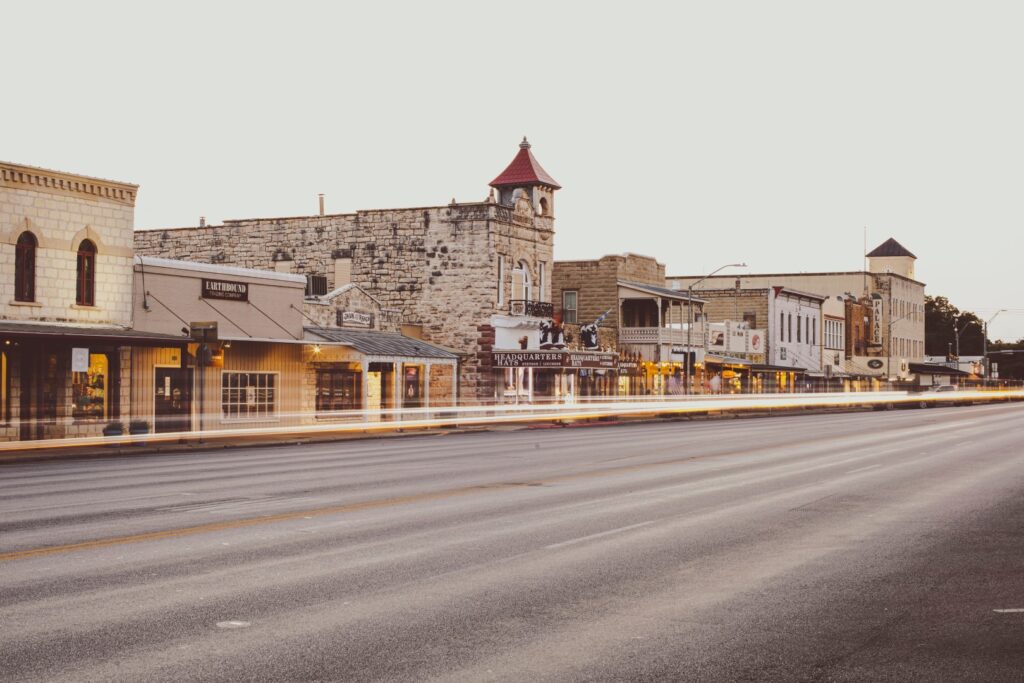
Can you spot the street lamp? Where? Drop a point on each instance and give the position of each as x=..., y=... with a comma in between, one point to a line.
x=984, y=345
x=689, y=308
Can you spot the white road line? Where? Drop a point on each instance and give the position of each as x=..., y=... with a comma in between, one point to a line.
x=598, y=535
x=1012, y=610
x=863, y=469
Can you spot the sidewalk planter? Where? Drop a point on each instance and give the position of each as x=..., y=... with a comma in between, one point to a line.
x=114, y=429
x=136, y=428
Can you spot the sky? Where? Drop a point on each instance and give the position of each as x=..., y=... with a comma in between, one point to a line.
x=699, y=133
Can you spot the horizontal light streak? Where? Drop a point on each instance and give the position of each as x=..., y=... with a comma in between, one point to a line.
x=466, y=416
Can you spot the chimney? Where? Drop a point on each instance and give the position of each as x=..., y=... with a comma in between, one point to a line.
x=321, y=195
x=202, y=221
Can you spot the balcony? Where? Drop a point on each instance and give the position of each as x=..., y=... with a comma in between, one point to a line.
x=534, y=309
x=661, y=335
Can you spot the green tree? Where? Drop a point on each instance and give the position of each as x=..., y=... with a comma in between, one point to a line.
x=942, y=320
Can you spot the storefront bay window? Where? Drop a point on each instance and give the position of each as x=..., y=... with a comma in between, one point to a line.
x=249, y=395
x=90, y=389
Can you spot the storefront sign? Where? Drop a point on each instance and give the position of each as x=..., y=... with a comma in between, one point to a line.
x=353, y=318
x=554, y=359
x=79, y=360
x=225, y=289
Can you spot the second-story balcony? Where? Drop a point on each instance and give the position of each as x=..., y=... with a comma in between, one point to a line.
x=661, y=335
x=534, y=309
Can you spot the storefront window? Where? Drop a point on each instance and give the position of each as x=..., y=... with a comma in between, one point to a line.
x=412, y=386
x=89, y=390
x=248, y=395
x=338, y=389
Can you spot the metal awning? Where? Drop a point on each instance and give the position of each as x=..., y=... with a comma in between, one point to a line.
x=82, y=333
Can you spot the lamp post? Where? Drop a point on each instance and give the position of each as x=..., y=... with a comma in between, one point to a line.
x=689, y=308
x=984, y=346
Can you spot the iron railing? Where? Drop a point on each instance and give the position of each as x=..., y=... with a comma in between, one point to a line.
x=536, y=309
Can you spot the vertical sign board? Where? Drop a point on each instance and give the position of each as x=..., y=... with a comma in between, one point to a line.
x=79, y=360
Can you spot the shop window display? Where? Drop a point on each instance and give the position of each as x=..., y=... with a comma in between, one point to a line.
x=89, y=389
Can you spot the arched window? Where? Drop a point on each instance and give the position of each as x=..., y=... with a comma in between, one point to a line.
x=85, y=283
x=25, y=267
x=542, y=208
x=521, y=285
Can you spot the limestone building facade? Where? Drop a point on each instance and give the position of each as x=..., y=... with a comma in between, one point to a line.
x=65, y=302
x=462, y=275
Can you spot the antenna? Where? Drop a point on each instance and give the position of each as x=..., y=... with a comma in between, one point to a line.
x=864, y=262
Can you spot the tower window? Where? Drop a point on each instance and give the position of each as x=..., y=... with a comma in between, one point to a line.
x=542, y=208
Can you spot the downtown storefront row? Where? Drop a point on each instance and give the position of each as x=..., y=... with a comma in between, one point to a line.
x=273, y=356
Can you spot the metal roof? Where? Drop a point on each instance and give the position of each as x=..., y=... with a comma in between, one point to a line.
x=659, y=291
x=891, y=247
x=524, y=170
x=374, y=343
x=80, y=332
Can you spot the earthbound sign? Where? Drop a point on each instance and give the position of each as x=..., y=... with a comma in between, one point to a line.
x=225, y=289
x=554, y=359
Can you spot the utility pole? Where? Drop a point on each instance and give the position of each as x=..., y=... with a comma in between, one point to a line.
x=984, y=346
x=689, y=328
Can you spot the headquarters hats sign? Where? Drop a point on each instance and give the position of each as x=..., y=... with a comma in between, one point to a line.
x=225, y=289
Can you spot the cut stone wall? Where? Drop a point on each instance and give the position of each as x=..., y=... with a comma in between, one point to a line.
x=436, y=266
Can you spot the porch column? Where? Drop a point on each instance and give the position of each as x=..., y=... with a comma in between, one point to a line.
x=426, y=386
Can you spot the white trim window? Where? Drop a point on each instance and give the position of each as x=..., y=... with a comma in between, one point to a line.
x=249, y=395
x=570, y=302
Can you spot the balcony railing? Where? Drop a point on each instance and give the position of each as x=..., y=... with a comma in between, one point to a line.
x=661, y=335
x=536, y=309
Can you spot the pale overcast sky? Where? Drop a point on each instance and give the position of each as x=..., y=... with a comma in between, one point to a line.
x=698, y=132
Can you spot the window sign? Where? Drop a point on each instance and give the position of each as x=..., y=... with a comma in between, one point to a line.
x=79, y=360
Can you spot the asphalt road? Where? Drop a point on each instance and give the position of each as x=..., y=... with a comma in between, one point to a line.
x=862, y=546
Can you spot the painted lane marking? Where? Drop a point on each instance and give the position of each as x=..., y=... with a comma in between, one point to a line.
x=1011, y=610
x=234, y=623
x=581, y=539
x=863, y=469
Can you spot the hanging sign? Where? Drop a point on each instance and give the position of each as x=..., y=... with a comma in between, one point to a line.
x=79, y=360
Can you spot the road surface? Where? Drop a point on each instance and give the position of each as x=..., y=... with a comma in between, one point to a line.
x=858, y=546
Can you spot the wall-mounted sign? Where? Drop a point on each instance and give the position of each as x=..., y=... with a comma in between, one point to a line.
x=353, y=318
x=554, y=359
x=875, y=364
x=79, y=360
x=225, y=289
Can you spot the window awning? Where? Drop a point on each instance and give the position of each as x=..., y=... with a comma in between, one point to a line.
x=82, y=333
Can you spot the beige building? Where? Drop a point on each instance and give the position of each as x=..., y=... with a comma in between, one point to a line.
x=888, y=287
x=468, y=276
x=65, y=303
x=275, y=356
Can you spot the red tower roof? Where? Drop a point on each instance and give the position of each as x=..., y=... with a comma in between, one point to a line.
x=524, y=170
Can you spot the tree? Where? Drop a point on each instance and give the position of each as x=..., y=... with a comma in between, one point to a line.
x=942, y=319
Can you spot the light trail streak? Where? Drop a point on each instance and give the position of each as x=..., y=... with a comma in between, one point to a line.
x=394, y=420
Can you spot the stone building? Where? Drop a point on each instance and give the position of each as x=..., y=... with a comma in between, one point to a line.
x=467, y=276
x=887, y=286
x=65, y=303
